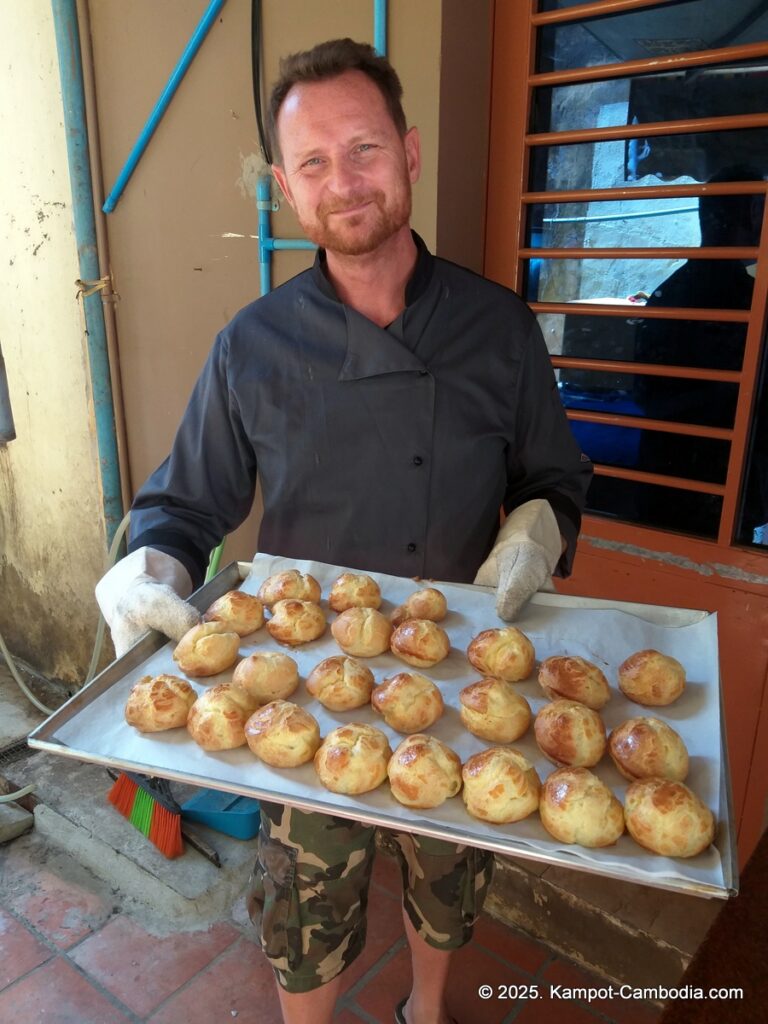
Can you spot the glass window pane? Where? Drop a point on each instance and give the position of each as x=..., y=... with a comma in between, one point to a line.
x=684, y=159
x=752, y=527
x=653, y=451
x=681, y=27
x=706, y=284
x=606, y=224
x=703, y=403
x=665, y=508
x=716, y=91
x=707, y=344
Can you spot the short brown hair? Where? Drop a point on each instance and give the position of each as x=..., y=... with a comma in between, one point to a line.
x=328, y=60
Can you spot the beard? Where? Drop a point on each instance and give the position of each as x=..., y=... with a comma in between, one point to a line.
x=362, y=233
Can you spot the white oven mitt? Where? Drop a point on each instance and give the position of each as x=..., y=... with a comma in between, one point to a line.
x=142, y=592
x=527, y=549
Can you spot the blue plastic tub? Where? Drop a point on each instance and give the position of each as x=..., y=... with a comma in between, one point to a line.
x=236, y=816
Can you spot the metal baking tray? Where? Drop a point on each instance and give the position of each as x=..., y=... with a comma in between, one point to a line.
x=77, y=731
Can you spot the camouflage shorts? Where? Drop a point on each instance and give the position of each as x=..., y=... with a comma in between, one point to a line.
x=309, y=891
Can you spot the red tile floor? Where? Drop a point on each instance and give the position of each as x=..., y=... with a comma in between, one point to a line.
x=69, y=956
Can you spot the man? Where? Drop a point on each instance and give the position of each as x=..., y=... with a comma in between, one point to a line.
x=392, y=403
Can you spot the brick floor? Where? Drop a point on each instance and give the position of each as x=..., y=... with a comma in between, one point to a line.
x=22, y=952
x=63, y=910
x=57, y=993
x=71, y=957
x=142, y=970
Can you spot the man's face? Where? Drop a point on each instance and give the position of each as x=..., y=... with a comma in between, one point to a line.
x=346, y=170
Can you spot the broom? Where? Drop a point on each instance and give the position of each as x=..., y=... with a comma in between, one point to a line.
x=148, y=805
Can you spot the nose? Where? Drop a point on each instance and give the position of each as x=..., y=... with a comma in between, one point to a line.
x=344, y=177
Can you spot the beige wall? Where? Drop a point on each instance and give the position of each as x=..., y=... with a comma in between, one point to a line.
x=51, y=520
x=464, y=117
x=182, y=237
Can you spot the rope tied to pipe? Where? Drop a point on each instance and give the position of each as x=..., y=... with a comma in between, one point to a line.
x=87, y=288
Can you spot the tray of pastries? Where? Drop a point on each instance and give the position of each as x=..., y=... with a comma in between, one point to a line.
x=586, y=734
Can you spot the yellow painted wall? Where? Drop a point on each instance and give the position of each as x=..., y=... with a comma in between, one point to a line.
x=51, y=522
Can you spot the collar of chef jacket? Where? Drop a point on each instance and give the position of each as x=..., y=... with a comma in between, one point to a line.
x=373, y=350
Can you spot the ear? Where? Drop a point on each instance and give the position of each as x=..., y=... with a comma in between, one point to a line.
x=412, y=145
x=282, y=181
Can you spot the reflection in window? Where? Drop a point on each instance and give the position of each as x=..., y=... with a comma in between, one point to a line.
x=606, y=223
x=753, y=520
x=678, y=27
x=663, y=508
x=603, y=164
x=599, y=337
x=635, y=282
x=652, y=451
x=716, y=91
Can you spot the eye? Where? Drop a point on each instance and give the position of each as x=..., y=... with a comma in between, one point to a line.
x=314, y=161
x=364, y=147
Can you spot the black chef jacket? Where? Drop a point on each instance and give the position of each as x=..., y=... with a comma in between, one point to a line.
x=386, y=449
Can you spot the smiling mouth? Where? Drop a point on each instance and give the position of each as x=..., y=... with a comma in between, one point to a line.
x=348, y=210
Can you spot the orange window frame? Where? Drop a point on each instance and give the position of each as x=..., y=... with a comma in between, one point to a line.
x=514, y=78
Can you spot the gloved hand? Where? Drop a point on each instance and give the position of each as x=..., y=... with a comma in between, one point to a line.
x=523, y=558
x=141, y=592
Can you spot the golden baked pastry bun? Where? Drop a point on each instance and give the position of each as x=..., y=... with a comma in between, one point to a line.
x=423, y=772
x=572, y=678
x=428, y=603
x=159, y=703
x=267, y=676
x=668, y=818
x=420, y=642
x=341, y=683
x=217, y=718
x=505, y=653
x=282, y=734
x=289, y=585
x=353, y=759
x=207, y=649
x=500, y=785
x=242, y=613
x=362, y=632
x=354, y=590
x=493, y=710
x=651, y=678
x=645, y=748
x=296, y=622
x=569, y=733
x=408, y=702
x=576, y=807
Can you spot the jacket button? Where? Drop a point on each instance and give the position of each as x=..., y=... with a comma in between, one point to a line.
x=411, y=547
x=417, y=460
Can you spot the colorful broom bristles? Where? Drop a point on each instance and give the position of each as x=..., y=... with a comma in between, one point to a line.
x=149, y=806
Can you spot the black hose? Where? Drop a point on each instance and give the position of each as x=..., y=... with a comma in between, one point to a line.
x=256, y=72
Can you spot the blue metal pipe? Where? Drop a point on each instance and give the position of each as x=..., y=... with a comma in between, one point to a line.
x=291, y=243
x=161, y=106
x=380, y=27
x=73, y=98
x=268, y=244
x=263, y=206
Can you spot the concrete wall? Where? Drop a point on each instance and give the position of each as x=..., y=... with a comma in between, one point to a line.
x=51, y=523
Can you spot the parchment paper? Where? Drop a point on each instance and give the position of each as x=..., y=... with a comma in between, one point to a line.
x=605, y=637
